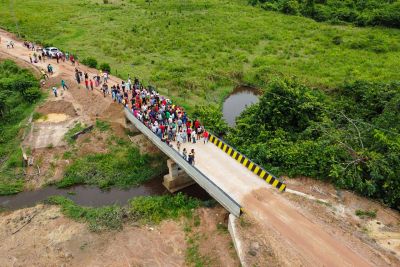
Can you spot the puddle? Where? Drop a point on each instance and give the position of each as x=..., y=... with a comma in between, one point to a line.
x=237, y=101
x=92, y=196
x=54, y=117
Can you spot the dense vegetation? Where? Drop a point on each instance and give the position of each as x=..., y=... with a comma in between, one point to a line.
x=19, y=91
x=142, y=209
x=197, y=50
x=360, y=12
x=350, y=136
x=122, y=166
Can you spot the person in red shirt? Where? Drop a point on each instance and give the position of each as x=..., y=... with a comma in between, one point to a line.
x=91, y=84
x=205, y=136
x=87, y=84
x=162, y=128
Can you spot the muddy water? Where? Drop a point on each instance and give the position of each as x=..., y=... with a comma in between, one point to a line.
x=92, y=196
x=237, y=101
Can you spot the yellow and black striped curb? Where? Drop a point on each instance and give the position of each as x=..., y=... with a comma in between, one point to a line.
x=253, y=167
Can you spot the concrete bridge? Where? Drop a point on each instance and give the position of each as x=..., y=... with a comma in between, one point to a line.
x=219, y=169
x=240, y=185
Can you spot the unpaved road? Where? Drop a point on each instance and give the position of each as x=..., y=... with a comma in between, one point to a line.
x=304, y=241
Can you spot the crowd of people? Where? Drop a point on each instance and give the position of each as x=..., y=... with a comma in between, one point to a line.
x=165, y=119
x=168, y=121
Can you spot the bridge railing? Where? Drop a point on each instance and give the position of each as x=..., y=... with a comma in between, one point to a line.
x=214, y=190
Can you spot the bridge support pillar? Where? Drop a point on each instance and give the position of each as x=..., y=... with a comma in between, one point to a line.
x=177, y=178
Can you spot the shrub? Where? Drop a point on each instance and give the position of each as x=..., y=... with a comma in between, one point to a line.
x=291, y=7
x=337, y=40
x=32, y=94
x=105, y=67
x=90, y=62
x=211, y=117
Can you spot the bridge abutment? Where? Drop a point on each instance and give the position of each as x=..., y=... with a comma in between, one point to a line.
x=177, y=178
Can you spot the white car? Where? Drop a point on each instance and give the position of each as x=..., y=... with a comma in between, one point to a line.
x=52, y=51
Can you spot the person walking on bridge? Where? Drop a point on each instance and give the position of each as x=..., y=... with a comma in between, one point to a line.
x=191, y=157
x=205, y=136
x=184, y=154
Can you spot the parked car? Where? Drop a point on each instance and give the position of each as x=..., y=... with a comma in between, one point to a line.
x=52, y=51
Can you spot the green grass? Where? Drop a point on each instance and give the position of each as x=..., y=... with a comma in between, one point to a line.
x=193, y=255
x=195, y=50
x=74, y=130
x=123, y=166
x=102, y=125
x=366, y=213
x=154, y=209
x=150, y=209
x=98, y=219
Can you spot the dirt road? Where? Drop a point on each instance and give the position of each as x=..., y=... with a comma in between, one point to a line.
x=308, y=243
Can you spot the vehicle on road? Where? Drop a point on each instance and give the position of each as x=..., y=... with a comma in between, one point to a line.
x=52, y=52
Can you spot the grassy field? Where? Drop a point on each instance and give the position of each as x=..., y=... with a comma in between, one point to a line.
x=196, y=51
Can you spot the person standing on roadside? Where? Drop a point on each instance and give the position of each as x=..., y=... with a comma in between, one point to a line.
x=44, y=74
x=50, y=69
x=64, y=85
x=91, y=84
x=55, y=91
x=77, y=77
x=105, y=76
x=87, y=84
x=105, y=89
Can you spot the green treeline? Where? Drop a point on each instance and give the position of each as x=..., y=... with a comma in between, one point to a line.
x=19, y=90
x=360, y=12
x=350, y=136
